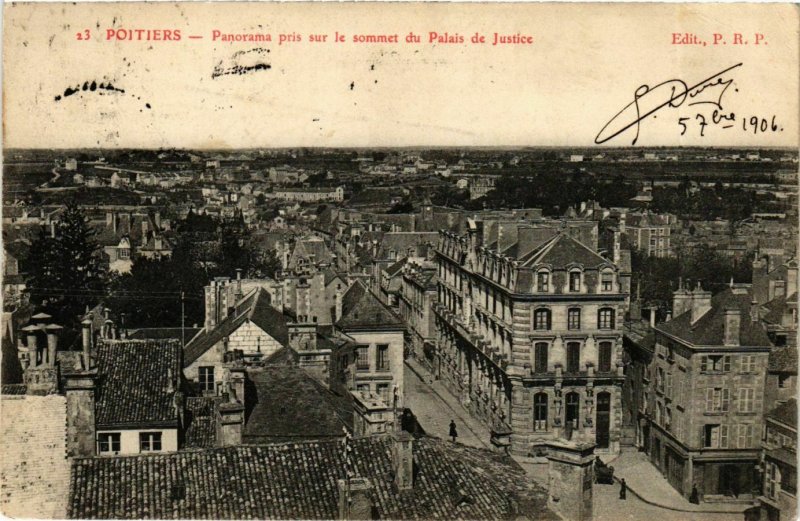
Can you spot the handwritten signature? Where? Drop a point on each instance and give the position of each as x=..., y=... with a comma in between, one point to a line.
x=672, y=93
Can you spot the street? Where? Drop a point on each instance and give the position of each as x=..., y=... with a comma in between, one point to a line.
x=434, y=412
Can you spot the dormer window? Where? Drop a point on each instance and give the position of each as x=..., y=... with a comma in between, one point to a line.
x=543, y=281
x=574, y=281
x=607, y=281
x=124, y=253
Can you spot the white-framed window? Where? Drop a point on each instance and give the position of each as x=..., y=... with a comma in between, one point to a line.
x=574, y=318
x=716, y=436
x=773, y=478
x=124, y=253
x=383, y=357
x=715, y=363
x=541, y=319
x=149, y=442
x=540, y=412
x=605, y=318
x=383, y=392
x=543, y=281
x=747, y=364
x=108, y=443
x=746, y=398
x=745, y=438
x=205, y=378
x=717, y=399
x=574, y=281
x=606, y=281
x=362, y=358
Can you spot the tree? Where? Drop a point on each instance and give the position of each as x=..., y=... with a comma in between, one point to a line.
x=66, y=272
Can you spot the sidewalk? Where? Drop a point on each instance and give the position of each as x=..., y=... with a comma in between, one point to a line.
x=479, y=433
x=646, y=482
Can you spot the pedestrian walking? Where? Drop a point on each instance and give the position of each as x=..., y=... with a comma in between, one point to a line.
x=623, y=489
x=453, y=432
x=695, y=497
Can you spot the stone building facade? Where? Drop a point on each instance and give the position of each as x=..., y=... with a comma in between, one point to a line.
x=529, y=334
x=417, y=296
x=705, y=394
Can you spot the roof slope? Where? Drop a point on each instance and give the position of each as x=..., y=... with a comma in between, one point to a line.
x=362, y=309
x=290, y=405
x=298, y=481
x=709, y=329
x=200, y=422
x=561, y=251
x=134, y=381
x=785, y=413
x=783, y=360
x=256, y=308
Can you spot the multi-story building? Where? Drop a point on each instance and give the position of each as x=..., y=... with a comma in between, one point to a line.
x=648, y=232
x=779, y=460
x=418, y=293
x=529, y=332
x=705, y=394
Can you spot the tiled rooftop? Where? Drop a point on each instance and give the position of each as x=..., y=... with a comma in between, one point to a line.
x=709, y=329
x=362, y=309
x=134, y=381
x=298, y=481
x=200, y=422
x=286, y=404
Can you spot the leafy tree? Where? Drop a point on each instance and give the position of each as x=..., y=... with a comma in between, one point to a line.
x=66, y=270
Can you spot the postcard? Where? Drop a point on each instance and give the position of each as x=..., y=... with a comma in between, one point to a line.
x=399, y=260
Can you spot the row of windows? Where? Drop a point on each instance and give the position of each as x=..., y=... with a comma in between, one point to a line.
x=572, y=409
x=716, y=436
x=541, y=349
x=722, y=363
x=381, y=359
x=575, y=279
x=109, y=442
x=718, y=399
x=542, y=319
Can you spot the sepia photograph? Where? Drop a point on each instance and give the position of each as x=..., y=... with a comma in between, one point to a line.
x=417, y=260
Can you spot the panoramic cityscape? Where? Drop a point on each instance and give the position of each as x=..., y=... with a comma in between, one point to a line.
x=397, y=333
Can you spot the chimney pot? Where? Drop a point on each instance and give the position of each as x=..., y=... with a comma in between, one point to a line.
x=732, y=325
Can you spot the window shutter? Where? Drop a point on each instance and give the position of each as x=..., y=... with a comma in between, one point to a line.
x=704, y=363
x=709, y=399
x=723, y=436
x=726, y=399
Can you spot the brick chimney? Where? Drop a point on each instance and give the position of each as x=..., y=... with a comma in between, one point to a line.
x=681, y=300
x=355, y=499
x=733, y=320
x=701, y=303
x=230, y=422
x=79, y=389
x=403, y=459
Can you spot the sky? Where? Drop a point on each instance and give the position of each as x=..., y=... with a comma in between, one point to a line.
x=583, y=66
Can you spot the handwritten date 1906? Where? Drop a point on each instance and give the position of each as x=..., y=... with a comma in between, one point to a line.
x=717, y=119
x=703, y=96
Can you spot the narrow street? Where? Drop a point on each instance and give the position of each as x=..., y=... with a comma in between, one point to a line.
x=434, y=410
x=434, y=413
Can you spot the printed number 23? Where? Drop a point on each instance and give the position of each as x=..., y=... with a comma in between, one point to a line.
x=83, y=35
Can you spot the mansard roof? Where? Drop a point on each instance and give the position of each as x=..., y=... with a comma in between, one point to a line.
x=562, y=251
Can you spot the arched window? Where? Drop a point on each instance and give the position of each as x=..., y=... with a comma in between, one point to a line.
x=573, y=409
x=605, y=318
x=541, y=319
x=543, y=281
x=540, y=412
x=540, y=357
x=574, y=281
x=604, y=357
